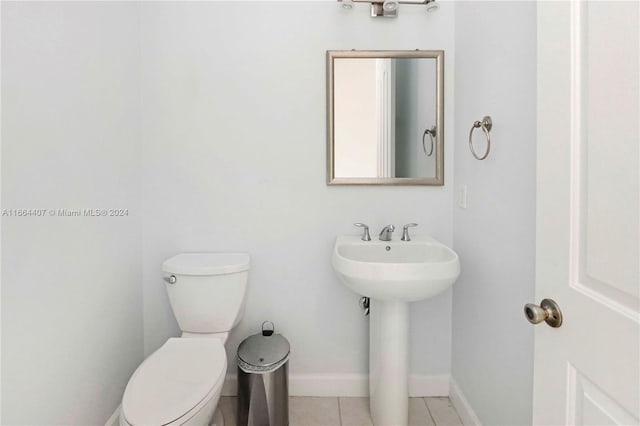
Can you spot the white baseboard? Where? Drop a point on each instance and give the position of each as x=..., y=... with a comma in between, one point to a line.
x=328, y=385
x=348, y=385
x=462, y=406
x=420, y=386
x=114, y=420
x=344, y=385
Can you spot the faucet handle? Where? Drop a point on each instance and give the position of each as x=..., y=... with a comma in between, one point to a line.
x=405, y=231
x=365, y=231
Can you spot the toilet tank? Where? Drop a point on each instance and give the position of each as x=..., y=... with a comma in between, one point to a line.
x=209, y=292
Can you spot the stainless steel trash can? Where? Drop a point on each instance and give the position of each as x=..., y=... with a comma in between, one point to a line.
x=263, y=379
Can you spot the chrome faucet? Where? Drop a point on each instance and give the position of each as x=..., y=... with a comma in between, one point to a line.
x=385, y=234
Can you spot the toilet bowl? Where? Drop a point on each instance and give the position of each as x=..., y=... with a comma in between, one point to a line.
x=181, y=382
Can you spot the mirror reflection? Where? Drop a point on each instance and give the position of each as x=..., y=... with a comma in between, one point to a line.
x=385, y=113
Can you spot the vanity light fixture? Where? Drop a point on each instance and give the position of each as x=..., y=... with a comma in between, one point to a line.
x=389, y=5
x=389, y=8
x=432, y=6
x=346, y=4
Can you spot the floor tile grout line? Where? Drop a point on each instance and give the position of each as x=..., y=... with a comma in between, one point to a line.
x=455, y=411
x=424, y=401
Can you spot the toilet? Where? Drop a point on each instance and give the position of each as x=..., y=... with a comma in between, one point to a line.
x=181, y=382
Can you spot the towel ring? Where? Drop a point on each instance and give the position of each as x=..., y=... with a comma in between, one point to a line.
x=432, y=133
x=485, y=125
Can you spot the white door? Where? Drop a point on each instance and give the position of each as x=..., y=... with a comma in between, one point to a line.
x=587, y=257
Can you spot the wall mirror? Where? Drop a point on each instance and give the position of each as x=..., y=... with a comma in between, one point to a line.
x=385, y=115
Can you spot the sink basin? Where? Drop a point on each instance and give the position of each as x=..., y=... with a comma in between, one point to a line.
x=392, y=274
x=404, y=271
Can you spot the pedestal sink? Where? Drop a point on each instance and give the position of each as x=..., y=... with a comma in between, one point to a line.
x=392, y=274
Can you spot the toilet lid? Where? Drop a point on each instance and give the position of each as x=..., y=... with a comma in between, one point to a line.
x=174, y=380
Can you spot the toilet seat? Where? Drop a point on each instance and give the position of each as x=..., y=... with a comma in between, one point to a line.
x=172, y=384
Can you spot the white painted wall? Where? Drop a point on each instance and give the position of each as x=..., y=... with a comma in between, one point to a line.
x=234, y=158
x=71, y=292
x=495, y=235
x=232, y=127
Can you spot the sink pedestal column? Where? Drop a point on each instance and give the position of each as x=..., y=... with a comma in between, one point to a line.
x=389, y=362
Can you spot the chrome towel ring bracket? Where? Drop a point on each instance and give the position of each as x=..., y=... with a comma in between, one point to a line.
x=485, y=125
x=432, y=134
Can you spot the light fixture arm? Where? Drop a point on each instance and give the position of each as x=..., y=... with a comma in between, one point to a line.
x=415, y=2
x=389, y=8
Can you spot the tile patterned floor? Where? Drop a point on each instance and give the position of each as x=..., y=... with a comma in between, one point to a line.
x=312, y=411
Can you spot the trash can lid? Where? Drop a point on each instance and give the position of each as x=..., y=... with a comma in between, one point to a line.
x=262, y=353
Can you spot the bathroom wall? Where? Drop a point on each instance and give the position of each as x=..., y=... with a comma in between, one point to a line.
x=494, y=236
x=234, y=158
x=207, y=121
x=71, y=286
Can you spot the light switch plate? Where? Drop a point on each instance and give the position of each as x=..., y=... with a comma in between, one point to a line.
x=462, y=196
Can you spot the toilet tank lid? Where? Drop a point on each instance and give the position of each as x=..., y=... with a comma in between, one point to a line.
x=206, y=263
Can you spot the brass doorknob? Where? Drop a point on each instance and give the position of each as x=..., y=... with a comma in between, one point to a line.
x=548, y=311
